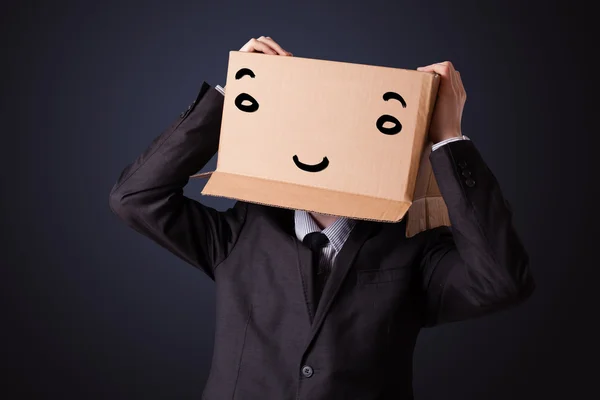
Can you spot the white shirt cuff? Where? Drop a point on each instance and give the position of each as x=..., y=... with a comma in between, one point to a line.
x=220, y=89
x=443, y=142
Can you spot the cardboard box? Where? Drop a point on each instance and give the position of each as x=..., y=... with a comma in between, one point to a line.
x=325, y=136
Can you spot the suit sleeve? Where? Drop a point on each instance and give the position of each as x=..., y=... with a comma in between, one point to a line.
x=148, y=195
x=478, y=265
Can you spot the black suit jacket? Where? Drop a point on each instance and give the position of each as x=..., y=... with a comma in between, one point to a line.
x=383, y=290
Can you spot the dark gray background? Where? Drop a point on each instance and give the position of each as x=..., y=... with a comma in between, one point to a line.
x=95, y=311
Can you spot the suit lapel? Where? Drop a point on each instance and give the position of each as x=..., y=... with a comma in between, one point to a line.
x=344, y=262
x=303, y=268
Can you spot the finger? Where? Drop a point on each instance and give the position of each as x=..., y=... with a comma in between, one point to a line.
x=288, y=52
x=459, y=79
x=247, y=46
x=274, y=45
x=444, y=68
x=254, y=45
x=460, y=85
x=264, y=47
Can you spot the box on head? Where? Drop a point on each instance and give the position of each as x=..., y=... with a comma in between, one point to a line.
x=330, y=137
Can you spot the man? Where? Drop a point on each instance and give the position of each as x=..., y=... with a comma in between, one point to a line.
x=354, y=338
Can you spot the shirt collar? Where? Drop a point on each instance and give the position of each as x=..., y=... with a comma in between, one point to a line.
x=337, y=233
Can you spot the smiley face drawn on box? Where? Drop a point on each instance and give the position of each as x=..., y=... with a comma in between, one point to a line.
x=245, y=102
x=343, y=127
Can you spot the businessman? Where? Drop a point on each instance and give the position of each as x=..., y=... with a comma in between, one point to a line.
x=317, y=307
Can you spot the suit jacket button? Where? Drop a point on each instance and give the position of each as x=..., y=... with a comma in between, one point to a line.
x=307, y=371
x=470, y=182
x=462, y=164
x=466, y=173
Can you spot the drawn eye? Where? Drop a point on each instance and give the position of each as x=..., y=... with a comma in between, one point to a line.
x=245, y=97
x=397, y=126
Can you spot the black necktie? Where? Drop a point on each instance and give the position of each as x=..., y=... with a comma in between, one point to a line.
x=316, y=241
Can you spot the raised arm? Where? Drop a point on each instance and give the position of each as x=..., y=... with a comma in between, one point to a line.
x=478, y=265
x=148, y=195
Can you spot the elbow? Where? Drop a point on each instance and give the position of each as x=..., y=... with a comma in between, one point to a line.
x=119, y=206
x=520, y=292
x=523, y=282
x=525, y=289
x=515, y=288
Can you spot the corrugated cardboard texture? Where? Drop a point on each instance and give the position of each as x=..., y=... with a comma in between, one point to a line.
x=317, y=112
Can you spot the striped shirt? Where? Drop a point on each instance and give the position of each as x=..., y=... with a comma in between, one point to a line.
x=337, y=233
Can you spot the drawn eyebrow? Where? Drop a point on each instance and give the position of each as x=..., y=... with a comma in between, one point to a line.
x=393, y=95
x=243, y=72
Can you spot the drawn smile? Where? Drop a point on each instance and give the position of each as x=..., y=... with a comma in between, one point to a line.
x=311, y=168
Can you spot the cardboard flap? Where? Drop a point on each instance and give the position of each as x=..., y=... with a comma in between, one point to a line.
x=295, y=196
x=428, y=209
